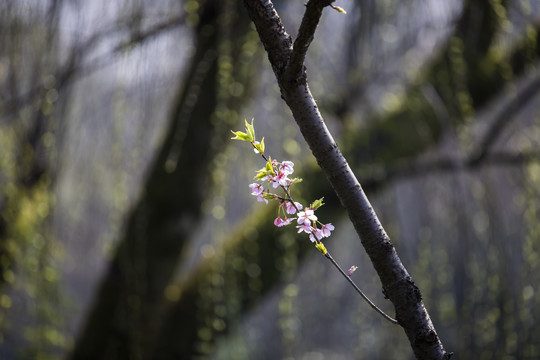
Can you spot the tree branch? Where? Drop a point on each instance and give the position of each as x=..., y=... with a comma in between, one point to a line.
x=398, y=285
x=276, y=41
x=306, y=34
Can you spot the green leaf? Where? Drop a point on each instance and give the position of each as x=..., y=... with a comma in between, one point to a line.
x=269, y=196
x=269, y=166
x=268, y=170
x=240, y=136
x=250, y=130
x=317, y=204
x=260, y=174
x=296, y=180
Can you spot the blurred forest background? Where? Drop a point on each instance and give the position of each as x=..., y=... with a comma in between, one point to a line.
x=127, y=229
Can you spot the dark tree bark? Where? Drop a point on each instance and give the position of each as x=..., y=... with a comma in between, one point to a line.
x=288, y=65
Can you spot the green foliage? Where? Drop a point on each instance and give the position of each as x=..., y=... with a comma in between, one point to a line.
x=317, y=204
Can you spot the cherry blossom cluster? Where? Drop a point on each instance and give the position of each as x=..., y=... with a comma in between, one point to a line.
x=276, y=175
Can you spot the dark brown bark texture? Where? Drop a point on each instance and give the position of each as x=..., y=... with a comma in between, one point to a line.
x=398, y=285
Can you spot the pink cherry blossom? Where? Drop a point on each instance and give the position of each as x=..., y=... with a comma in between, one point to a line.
x=286, y=167
x=289, y=207
x=315, y=234
x=258, y=191
x=305, y=228
x=280, y=179
x=273, y=180
x=352, y=269
x=326, y=229
x=307, y=216
x=279, y=222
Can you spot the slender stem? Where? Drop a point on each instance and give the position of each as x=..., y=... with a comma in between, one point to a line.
x=351, y=281
x=327, y=254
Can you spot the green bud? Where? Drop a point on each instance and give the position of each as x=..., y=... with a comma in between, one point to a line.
x=269, y=166
x=338, y=9
x=268, y=170
x=321, y=248
x=317, y=204
x=261, y=173
x=260, y=147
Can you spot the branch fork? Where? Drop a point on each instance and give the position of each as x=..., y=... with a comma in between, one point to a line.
x=288, y=64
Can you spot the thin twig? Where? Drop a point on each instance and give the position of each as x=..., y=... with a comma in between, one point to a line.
x=327, y=254
x=351, y=281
